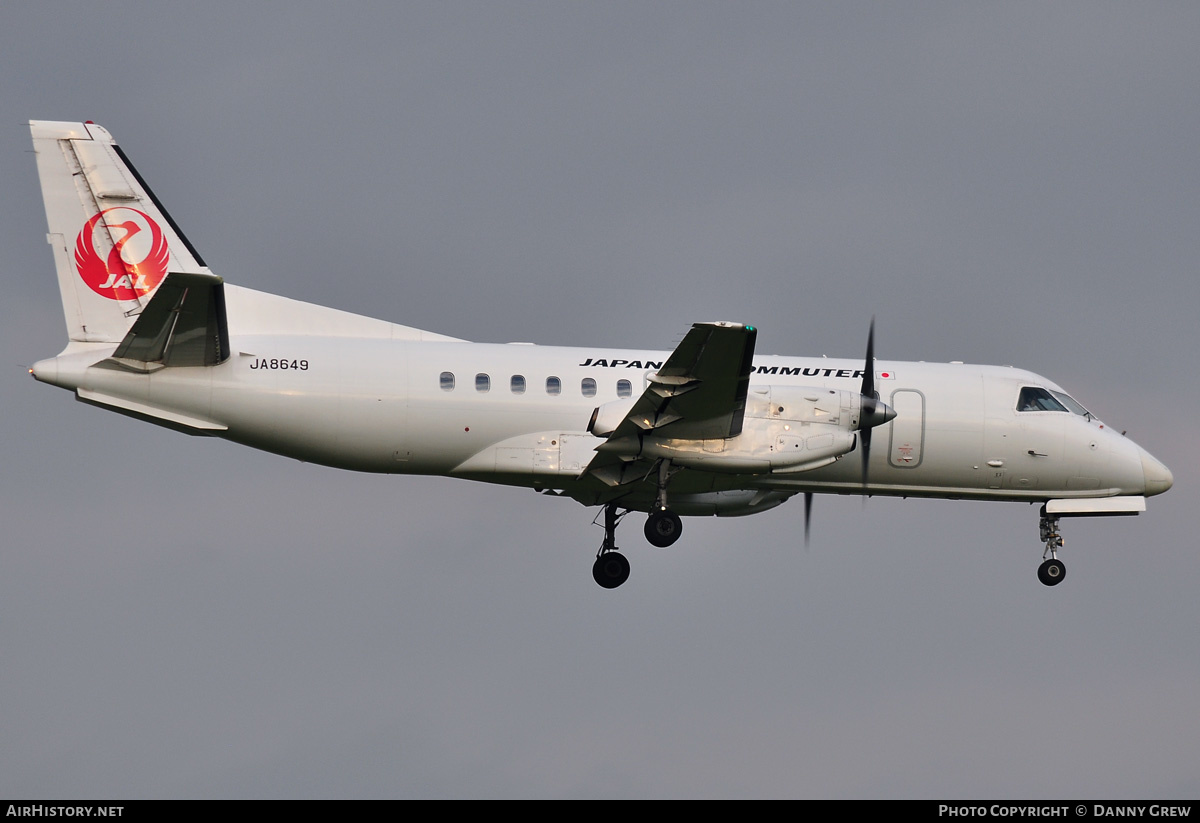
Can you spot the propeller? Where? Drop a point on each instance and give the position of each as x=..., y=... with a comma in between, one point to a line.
x=873, y=412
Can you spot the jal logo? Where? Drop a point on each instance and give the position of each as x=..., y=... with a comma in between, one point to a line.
x=136, y=261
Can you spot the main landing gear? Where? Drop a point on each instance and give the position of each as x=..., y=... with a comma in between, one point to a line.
x=1052, y=571
x=611, y=569
x=663, y=526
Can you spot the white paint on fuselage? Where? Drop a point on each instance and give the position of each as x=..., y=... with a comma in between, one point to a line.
x=375, y=403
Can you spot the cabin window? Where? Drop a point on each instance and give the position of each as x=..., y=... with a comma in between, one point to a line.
x=1035, y=399
x=447, y=381
x=588, y=386
x=482, y=382
x=553, y=386
x=624, y=388
x=517, y=384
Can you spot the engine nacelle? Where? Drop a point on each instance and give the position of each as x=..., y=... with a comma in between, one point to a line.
x=761, y=447
x=785, y=429
x=805, y=405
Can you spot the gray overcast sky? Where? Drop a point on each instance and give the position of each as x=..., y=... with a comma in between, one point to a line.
x=1004, y=183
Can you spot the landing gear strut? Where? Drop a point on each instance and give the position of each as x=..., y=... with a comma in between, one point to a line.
x=1052, y=571
x=611, y=569
x=663, y=526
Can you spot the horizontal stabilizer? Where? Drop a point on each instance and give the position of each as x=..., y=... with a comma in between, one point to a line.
x=183, y=324
x=186, y=423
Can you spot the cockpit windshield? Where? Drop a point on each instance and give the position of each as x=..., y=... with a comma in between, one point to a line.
x=1072, y=404
x=1037, y=399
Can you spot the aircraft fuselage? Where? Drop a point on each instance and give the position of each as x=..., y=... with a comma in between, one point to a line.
x=518, y=414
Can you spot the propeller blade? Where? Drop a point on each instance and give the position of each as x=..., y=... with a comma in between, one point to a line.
x=808, y=496
x=865, y=436
x=869, y=398
x=868, y=382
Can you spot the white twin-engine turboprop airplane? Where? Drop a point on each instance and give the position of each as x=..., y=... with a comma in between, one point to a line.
x=709, y=428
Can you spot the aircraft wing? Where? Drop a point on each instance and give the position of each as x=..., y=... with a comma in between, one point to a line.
x=698, y=394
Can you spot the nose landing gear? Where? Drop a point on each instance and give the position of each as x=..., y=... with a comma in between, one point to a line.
x=1052, y=571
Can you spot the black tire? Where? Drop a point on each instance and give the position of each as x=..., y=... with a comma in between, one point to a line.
x=611, y=569
x=1052, y=572
x=663, y=528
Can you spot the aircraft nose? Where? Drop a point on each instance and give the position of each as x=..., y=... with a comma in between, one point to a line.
x=1158, y=476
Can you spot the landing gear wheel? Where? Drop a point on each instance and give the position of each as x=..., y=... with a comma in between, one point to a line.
x=1052, y=572
x=611, y=569
x=663, y=528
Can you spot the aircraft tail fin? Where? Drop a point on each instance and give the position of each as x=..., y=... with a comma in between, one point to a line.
x=113, y=242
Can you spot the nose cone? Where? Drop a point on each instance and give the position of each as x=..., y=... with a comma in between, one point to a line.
x=1158, y=476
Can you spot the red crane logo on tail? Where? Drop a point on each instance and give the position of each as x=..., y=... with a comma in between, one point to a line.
x=137, y=262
